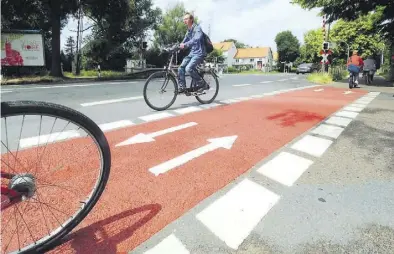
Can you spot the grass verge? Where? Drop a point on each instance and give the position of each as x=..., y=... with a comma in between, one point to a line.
x=320, y=78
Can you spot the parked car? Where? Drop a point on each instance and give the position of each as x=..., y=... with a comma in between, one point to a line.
x=306, y=68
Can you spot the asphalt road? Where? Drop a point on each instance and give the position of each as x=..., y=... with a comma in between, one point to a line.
x=329, y=191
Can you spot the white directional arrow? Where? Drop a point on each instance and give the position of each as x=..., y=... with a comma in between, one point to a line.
x=215, y=143
x=347, y=92
x=144, y=138
x=318, y=90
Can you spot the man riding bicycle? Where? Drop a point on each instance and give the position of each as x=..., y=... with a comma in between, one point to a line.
x=194, y=39
x=354, y=65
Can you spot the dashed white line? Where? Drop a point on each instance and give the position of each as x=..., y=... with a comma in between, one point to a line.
x=211, y=105
x=155, y=116
x=358, y=105
x=337, y=120
x=285, y=168
x=229, y=101
x=233, y=216
x=111, y=101
x=241, y=85
x=280, y=80
x=170, y=244
x=328, y=130
x=50, y=138
x=319, y=90
x=348, y=114
x=243, y=98
x=187, y=110
x=115, y=125
x=312, y=145
x=355, y=109
x=266, y=82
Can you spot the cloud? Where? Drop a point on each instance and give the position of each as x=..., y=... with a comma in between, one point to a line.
x=254, y=22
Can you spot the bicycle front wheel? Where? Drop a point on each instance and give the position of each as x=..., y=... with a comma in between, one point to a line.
x=163, y=85
x=58, y=194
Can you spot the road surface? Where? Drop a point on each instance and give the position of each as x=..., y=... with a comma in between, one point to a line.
x=304, y=170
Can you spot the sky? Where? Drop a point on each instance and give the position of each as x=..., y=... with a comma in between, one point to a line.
x=253, y=22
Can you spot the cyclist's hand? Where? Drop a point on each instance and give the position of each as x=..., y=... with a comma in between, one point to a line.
x=182, y=45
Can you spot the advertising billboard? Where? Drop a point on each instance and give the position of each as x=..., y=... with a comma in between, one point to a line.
x=22, y=48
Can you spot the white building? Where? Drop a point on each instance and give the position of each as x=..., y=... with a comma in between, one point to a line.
x=229, y=51
x=260, y=58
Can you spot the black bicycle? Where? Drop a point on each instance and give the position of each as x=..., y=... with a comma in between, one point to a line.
x=168, y=74
x=41, y=202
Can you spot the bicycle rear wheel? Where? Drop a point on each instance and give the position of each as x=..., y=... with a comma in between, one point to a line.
x=208, y=96
x=39, y=182
x=163, y=80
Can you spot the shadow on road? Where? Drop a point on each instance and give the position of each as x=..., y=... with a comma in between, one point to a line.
x=96, y=238
x=291, y=117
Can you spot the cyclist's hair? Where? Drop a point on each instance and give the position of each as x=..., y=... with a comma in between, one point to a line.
x=190, y=16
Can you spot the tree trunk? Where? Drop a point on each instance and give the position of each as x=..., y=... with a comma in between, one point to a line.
x=55, y=20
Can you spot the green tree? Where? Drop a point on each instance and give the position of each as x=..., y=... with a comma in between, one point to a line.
x=238, y=44
x=288, y=46
x=215, y=56
x=358, y=34
x=313, y=43
x=171, y=28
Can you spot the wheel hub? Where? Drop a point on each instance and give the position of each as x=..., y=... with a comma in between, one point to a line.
x=24, y=184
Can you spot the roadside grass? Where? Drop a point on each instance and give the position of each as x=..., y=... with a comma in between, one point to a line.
x=320, y=78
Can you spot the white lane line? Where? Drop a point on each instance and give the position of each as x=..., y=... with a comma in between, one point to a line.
x=348, y=114
x=258, y=96
x=233, y=216
x=241, y=85
x=319, y=90
x=355, y=109
x=285, y=168
x=294, y=78
x=229, y=101
x=243, y=98
x=328, y=130
x=337, y=120
x=67, y=86
x=266, y=82
x=115, y=125
x=111, y=101
x=155, y=116
x=207, y=106
x=374, y=93
x=170, y=244
x=280, y=80
x=358, y=105
x=6, y=91
x=50, y=138
x=312, y=145
x=187, y=110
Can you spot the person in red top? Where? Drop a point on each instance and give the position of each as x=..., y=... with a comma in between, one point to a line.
x=354, y=65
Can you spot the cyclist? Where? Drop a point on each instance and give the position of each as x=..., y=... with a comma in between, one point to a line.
x=370, y=65
x=354, y=64
x=193, y=39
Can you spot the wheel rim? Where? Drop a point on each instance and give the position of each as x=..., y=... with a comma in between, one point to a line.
x=53, y=206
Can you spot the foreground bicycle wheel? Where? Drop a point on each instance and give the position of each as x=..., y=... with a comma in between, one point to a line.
x=33, y=220
x=164, y=84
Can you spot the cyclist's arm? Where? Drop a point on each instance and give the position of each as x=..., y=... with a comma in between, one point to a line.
x=197, y=36
x=185, y=38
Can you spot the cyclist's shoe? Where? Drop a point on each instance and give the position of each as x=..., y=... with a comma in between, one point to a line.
x=182, y=89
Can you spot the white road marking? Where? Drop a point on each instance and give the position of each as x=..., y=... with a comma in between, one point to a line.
x=241, y=85
x=285, y=168
x=115, y=125
x=266, y=82
x=211, y=105
x=258, y=96
x=6, y=91
x=312, y=145
x=50, y=138
x=233, y=216
x=328, y=130
x=362, y=106
x=229, y=101
x=215, y=143
x=319, y=90
x=350, y=108
x=243, y=98
x=341, y=121
x=111, y=101
x=187, y=110
x=374, y=93
x=144, y=138
x=155, y=116
x=347, y=92
x=170, y=244
x=280, y=80
x=348, y=114
x=68, y=86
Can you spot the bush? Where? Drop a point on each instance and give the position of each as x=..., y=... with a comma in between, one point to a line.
x=320, y=78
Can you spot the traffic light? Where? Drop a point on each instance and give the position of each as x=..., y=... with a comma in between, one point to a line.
x=326, y=45
x=144, y=44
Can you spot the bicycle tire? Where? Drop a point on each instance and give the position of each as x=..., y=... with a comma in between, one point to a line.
x=153, y=75
x=10, y=108
x=216, y=93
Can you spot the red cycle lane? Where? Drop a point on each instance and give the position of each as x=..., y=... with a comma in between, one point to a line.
x=138, y=202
